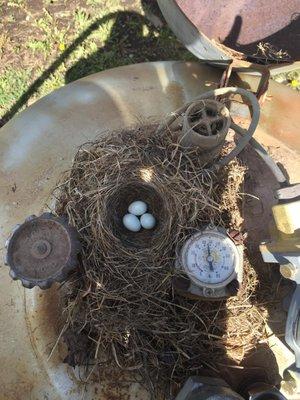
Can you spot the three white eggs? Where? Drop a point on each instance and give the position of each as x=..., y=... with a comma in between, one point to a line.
x=138, y=218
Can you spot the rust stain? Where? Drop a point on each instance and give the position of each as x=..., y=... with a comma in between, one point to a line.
x=176, y=93
x=44, y=323
x=280, y=118
x=40, y=171
x=242, y=24
x=25, y=385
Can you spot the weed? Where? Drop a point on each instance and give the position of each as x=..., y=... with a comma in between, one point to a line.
x=4, y=41
x=13, y=83
x=94, y=2
x=82, y=19
x=10, y=18
x=291, y=79
x=112, y=44
x=16, y=3
x=42, y=46
x=53, y=35
x=103, y=32
x=93, y=47
x=55, y=81
x=45, y=23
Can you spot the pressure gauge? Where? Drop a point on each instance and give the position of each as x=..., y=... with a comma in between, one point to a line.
x=212, y=262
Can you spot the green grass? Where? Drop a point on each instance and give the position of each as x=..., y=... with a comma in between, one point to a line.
x=120, y=39
x=16, y=3
x=94, y=2
x=40, y=46
x=55, y=81
x=291, y=79
x=48, y=27
x=103, y=32
x=13, y=83
x=123, y=37
x=82, y=19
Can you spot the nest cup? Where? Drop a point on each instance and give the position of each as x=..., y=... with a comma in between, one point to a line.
x=117, y=206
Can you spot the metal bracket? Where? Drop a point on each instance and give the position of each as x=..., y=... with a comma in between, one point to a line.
x=288, y=193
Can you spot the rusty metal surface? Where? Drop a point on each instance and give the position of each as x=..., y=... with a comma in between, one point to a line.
x=36, y=147
x=208, y=118
x=194, y=40
x=239, y=24
x=288, y=193
x=205, y=125
x=278, y=128
x=42, y=250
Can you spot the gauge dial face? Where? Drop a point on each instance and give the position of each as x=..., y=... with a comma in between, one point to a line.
x=209, y=258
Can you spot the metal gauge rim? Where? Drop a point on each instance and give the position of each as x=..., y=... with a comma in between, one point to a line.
x=206, y=232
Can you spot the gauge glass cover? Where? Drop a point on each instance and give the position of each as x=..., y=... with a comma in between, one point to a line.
x=210, y=258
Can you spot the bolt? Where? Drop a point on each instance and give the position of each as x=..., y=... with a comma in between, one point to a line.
x=41, y=249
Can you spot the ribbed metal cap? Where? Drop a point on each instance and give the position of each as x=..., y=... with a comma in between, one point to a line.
x=42, y=250
x=205, y=124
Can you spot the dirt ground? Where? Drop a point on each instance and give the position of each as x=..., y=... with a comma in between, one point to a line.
x=47, y=43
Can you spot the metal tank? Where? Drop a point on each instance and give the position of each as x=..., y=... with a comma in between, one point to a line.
x=219, y=31
x=38, y=145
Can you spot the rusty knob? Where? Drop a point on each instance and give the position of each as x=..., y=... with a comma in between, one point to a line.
x=42, y=250
x=205, y=125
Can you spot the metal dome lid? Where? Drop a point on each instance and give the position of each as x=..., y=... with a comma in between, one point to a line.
x=42, y=250
x=217, y=30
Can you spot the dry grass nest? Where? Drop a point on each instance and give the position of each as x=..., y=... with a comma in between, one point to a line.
x=121, y=309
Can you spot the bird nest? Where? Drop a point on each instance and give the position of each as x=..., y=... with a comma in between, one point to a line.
x=121, y=308
x=117, y=206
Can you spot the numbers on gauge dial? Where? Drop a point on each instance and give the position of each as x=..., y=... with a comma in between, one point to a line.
x=210, y=259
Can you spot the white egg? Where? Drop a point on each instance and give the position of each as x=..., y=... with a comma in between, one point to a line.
x=148, y=221
x=137, y=207
x=131, y=222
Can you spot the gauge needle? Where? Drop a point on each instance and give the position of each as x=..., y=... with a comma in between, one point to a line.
x=209, y=259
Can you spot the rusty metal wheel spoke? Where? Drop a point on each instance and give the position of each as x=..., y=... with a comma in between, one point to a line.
x=209, y=128
x=204, y=113
x=217, y=119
